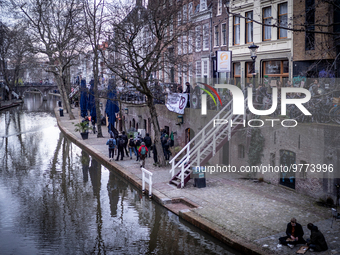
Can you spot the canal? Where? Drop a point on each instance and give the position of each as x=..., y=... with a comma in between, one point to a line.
x=57, y=199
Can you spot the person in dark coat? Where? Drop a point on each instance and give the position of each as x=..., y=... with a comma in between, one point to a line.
x=120, y=145
x=317, y=241
x=294, y=233
x=125, y=138
x=148, y=143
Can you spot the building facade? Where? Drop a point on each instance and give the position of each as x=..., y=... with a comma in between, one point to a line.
x=250, y=23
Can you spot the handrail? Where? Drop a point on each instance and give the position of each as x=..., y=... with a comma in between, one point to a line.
x=207, y=135
x=184, y=148
x=211, y=133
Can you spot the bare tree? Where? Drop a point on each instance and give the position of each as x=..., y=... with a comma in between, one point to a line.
x=94, y=19
x=15, y=53
x=143, y=42
x=56, y=28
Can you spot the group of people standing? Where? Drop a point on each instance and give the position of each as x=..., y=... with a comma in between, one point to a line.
x=118, y=144
x=294, y=235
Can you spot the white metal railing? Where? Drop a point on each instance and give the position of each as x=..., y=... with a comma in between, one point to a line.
x=201, y=133
x=202, y=144
x=148, y=180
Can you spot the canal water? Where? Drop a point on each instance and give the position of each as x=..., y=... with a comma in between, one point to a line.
x=57, y=199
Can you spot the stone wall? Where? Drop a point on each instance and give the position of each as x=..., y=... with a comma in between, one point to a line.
x=312, y=144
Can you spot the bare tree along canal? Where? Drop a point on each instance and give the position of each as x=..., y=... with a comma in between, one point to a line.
x=57, y=199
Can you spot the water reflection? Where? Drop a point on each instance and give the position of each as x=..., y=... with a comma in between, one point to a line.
x=57, y=199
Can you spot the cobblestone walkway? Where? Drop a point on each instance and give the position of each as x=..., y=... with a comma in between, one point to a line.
x=241, y=212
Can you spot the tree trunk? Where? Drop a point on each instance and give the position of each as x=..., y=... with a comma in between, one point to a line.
x=157, y=141
x=64, y=96
x=96, y=93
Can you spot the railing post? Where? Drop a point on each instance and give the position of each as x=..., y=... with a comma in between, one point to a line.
x=150, y=186
x=143, y=181
x=182, y=176
x=229, y=129
x=148, y=180
x=214, y=144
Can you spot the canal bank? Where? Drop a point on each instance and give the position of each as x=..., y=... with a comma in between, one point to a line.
x=10, y=103
x=246, y=215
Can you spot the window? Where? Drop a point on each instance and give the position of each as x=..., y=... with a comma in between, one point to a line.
x=276, y=68
x=205, y=37
x=267, y=29
x=203, y=5
x=219, y=7
x=179, y=18
x=237, y=73
x=171, y=25
x=205, y=67
x=249, y=71
x=216, y=36
x=236, y=30
x=240, y=151
x=198, y=69
x=283, y=19
x=179, y=45
x=310, y=20
x=185, y=14
x=190, y=10
x=185, y=44
x=249, y=27
x=224, y=34
x=198, y=38
x=190, y=41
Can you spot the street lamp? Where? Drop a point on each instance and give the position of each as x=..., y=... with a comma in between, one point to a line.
x=253, y=50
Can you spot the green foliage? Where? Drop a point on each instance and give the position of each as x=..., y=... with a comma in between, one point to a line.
x=82, y=127
x=256, y=147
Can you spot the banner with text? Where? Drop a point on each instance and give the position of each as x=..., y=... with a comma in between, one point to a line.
x=177, y=102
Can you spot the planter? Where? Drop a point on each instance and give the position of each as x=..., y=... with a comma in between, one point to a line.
x=84, y=135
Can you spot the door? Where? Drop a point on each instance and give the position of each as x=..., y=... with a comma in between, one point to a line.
x=287, y=159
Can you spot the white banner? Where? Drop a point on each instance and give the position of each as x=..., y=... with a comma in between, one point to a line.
x=224, y=61
x=177, y=102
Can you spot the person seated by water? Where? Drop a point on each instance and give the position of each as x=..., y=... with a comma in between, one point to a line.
x=294, y=235
x=317, y=241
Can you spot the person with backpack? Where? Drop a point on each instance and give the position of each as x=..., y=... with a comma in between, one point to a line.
x=112, y=145
x=166, y=145
x=148, y=143
x=132, y=146
x=120, y=144
x=137, y=145
x=143, y=152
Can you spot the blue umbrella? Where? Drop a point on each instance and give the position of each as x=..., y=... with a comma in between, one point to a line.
x=111, y=105
x=91, y=106
x=83, y=98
